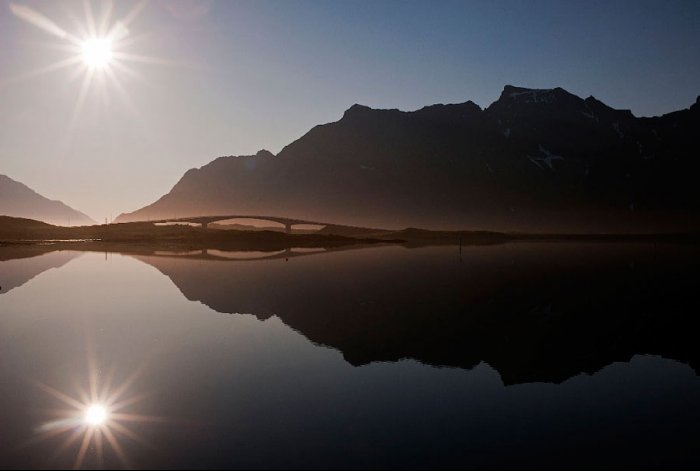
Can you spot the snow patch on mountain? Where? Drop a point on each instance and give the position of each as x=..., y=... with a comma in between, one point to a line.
x=616, y=127
x=547, y=160
x=544, y=95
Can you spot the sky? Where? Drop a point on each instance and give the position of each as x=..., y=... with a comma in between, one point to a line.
x=198, y=80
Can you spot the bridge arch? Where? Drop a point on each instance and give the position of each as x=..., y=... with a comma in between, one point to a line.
x=204, y=221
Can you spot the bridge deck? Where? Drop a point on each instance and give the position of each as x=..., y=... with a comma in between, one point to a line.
x=206, y=220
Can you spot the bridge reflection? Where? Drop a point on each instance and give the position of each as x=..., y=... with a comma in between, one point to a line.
x=243, y=255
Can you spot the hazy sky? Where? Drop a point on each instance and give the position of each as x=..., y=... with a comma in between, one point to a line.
x=235, y=77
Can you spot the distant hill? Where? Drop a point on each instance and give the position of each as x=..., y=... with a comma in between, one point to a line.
x=18, y=200
x=534, y=160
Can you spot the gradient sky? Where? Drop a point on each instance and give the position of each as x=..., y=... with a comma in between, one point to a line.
x=234, y=77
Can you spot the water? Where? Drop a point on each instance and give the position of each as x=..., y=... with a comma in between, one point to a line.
x=516, y=355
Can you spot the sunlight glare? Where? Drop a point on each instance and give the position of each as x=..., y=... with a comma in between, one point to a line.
x=97, y=52
x=96, y=415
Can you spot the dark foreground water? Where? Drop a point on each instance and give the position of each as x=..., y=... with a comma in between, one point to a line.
x=516, y=355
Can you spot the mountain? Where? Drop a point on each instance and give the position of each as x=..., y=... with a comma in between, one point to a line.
x=534, y=160
x=18, y=200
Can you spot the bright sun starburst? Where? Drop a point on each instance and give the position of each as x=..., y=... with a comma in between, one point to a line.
x=97, y=49
x=96, y=420
x=96, y=415
x=97, y=52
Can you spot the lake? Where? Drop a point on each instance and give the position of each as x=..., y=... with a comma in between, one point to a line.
x=513, y=355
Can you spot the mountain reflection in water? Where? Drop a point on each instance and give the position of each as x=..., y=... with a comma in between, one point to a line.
x=257, y=394
x=535, y=312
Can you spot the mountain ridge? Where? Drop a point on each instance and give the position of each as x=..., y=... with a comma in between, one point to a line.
x=18, y=200
x=535, y=159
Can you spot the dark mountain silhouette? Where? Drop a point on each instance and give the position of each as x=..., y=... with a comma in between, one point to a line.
x=535, y=160
x=18, y=200
x=534, y=312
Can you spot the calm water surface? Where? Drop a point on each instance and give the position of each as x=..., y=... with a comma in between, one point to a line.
x=517, y=355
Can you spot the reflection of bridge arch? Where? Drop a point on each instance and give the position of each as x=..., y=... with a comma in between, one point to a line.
x=206, y=220
x=243, y=255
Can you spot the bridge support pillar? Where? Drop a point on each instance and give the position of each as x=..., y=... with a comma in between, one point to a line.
x=205, y=225
x=288, y=228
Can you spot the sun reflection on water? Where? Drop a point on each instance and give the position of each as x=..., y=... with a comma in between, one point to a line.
x=96, y=422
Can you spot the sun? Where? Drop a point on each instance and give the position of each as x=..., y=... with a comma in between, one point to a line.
x=97, y=52
x=101, y=50
x=96, y=415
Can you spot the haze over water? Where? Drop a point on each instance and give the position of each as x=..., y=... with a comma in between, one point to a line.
x=339, y=359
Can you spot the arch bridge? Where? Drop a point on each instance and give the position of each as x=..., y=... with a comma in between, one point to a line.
x=204, y=221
